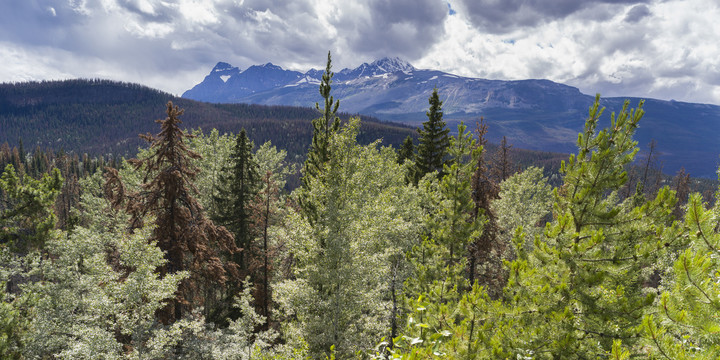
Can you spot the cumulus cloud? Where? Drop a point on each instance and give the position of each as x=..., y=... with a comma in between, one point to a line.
x=502, y=16
x=655, y=49
x=151, y=39
x=648, y=48
x=637, y=13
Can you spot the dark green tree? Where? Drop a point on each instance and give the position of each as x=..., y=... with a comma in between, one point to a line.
x=434, y=140
x=406, y=151
x=26, y=216
x=324, y=128
x=238, y=186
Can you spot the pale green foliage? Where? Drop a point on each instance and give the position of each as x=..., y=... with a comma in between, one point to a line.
x=238, y=341
x=84, y=303
x=366, y=219
x=269, y=158
x=525, y=199
x=689, y=309
x=215, y=150
x=99, y=284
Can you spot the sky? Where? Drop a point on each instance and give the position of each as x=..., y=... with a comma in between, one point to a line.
x=665, y=49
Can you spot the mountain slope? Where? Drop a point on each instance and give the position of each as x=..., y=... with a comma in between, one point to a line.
x=105, y=117
x=533, y=114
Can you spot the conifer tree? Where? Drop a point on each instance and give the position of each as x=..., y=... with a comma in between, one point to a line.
x=190, y=241
x=264, y=206
x=485, y=252
x=583, y=288
x=238, y=187
x=406, y=151
x=324, y=128
x=502, y=166
x=686, y=322
x=367, y=217
x=434, y=140
x=26, y=216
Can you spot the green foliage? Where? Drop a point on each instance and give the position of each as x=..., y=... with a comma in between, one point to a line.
x=440, y=261
x=688, y=310
x=366, y=220
x=26, y=216
x=238, y=186
x=582, y=287
x=324, y=127
x=101, y=290
x=215, y=152
x=406, y=151
x=525, y=200
x=434, y=140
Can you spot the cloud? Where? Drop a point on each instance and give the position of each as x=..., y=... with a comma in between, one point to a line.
x=637, y=13
x=503, y=16
x=648, y=48
x=149, y=38
x=666, y=52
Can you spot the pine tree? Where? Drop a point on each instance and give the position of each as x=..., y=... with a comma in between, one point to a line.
x=685, y=323
x=324, y=128
x=367, y=217
x=583, y=287
x=434, y=140
x=190, y=241
x=26, y=216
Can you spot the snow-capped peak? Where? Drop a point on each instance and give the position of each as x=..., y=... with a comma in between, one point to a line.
x=391, y=65
x=223, y=66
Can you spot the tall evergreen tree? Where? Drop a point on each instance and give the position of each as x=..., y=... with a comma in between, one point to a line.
x=324, y=128
x=238, y=186
x=191, y=242
x=434, y=140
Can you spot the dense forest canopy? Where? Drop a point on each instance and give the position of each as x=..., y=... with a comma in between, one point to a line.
x=196, y=249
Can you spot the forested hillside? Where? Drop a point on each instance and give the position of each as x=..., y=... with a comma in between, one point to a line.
x=436, y=248
x=105, y=117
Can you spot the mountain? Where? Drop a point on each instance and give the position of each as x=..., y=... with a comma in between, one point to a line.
x=533, y=114
x=105, y=117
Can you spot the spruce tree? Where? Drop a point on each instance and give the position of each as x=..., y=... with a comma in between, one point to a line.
x=434, y=140
x=406, y=151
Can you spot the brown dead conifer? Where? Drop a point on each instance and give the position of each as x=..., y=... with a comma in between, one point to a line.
x=191, y=242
